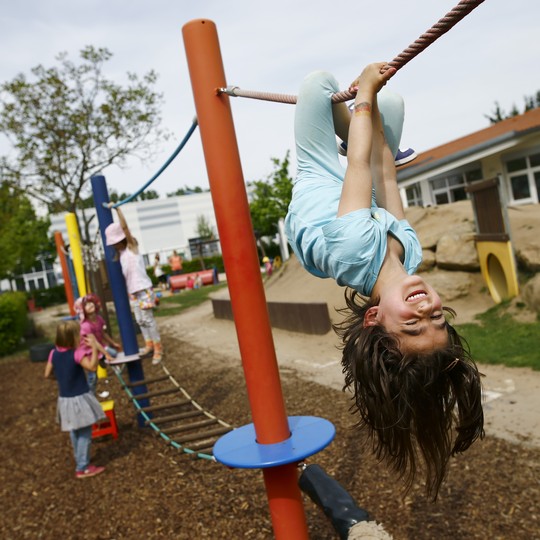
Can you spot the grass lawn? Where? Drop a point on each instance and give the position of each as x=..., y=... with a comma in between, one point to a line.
x=172, y=305
x=500, y=339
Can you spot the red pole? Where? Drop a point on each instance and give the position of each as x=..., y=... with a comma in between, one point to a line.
x=60, y=249
x=243, y=271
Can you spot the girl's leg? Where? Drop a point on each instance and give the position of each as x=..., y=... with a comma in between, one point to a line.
x=392, y=111
x=81, y=440
x=148, y=322
x=138, y=313
x=91, y=378
x=314, y=127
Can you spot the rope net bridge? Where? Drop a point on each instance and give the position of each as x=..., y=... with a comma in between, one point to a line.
x=174, y=415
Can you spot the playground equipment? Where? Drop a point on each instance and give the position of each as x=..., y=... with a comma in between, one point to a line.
x=61, y=252
x=497, y=261
x=76, y=251
x=165, y=165
x=120, y=297
x=178, y=419
x=109, y=425
x=273, y=442
x=427, y=38
x=267, y=442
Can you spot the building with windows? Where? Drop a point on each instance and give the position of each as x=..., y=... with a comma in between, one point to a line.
x=159, y=225
x=508, y=150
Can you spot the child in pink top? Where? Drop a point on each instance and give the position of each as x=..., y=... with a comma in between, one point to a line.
x=138, y=284
x=92, y=323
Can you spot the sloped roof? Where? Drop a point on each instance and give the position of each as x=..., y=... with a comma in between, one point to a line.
x=501, y=131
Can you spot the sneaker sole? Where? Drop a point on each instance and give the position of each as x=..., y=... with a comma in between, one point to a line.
x=88, y=475
x=405, y=160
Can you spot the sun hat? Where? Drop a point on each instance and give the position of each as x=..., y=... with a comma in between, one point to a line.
x=114, y=234
x=91, y=297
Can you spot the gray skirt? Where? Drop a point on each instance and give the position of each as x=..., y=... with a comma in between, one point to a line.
x=78, y=412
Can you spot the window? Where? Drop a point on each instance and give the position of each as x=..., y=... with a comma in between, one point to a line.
x=516, y=165
x=441, y=198
x=524, y=177
x=451, y=188
x=520, y=187
x=414, y=197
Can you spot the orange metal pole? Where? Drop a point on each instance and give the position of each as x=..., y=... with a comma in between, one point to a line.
x=60, y=249
x=243, y=270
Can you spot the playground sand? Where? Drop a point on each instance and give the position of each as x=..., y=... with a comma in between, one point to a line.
x=150, y=490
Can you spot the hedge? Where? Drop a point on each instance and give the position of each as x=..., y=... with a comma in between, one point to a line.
x=13, y=321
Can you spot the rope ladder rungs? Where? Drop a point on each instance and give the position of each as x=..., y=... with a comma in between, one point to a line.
x=147, y=381
x=153, y=408
x=173, y=417
x=198, y=440
x=190, y=426
x=155, y=393
x=202, y=436
x=198, y=447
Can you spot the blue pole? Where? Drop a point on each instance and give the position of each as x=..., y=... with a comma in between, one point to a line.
x=119, y=291
x=71, y=270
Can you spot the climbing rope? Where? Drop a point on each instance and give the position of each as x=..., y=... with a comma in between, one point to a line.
x=165, y=165
x=427, y=38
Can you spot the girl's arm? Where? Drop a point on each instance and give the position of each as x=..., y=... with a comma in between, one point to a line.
x=111, y=341
x=91, y=362
x=132, y=243
x=49, y=365
x=48, y=369
x=357, y=184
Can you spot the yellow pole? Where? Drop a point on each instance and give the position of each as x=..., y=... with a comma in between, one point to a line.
x=76, y=252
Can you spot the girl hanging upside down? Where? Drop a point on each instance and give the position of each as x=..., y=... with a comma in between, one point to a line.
x=416, y=388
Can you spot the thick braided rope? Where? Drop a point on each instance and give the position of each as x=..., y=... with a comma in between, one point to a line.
x=427, y=38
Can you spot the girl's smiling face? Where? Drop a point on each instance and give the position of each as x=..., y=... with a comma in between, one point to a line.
x=412, y=310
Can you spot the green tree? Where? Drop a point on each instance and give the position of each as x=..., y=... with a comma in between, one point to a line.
x=23, y=236
x=498, y=114
x=270, y=198
x=205, y=228
x=186, y=190
x=70, y=122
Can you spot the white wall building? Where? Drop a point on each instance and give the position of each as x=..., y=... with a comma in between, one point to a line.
x=159, y=225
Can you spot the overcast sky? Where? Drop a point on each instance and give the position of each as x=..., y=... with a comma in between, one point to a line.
x=491, y=55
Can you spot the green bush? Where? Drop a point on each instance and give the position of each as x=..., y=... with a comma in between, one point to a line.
x=49, y=297
x=209, y=262
x=13, y=321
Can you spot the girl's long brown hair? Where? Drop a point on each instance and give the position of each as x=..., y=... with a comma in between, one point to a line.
x=412, y=405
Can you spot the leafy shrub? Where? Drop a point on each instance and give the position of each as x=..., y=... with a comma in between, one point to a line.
x=49, y=297
x=13, y=321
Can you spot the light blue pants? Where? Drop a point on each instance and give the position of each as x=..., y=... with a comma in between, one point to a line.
x=316, y=147
x=91, y=379
x=81, y=439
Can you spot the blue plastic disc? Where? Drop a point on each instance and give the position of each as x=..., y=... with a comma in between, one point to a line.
x=240, y=449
